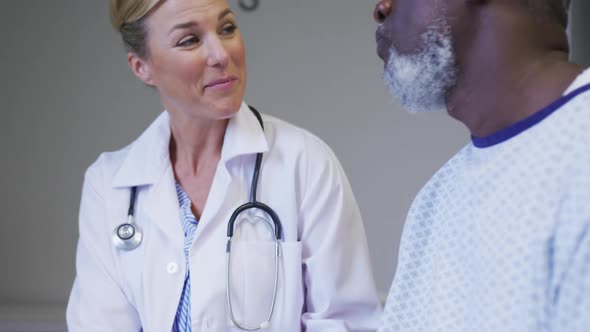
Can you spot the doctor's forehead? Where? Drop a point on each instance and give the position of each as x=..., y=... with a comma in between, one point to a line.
x=204, y=9
x=177, y=15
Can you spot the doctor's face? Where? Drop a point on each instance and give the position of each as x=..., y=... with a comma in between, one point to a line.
x=414, y=41
x=196, y=58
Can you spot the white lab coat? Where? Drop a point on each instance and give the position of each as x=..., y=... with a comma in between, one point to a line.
x=325, y=284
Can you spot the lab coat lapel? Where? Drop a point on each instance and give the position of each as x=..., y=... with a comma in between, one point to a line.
x=243, y=136
x=163, y=288
x=214, y=205
x=163, y=210
x=148, y=164
x=147, y=156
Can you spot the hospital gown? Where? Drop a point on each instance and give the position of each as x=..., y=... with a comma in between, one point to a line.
x=499, y=238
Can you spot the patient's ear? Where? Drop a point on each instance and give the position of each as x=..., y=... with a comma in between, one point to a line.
x=141, y=68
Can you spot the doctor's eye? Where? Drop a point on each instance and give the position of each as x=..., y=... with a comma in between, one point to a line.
x=188, y=41
x=228, y=29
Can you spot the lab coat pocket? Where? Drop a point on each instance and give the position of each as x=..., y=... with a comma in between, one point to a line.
x=259, y=279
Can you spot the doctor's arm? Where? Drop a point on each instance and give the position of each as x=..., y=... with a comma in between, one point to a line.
x=340, y=289
x=97, y=302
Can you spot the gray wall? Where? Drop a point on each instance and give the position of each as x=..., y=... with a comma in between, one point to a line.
x=580, y=31
x=68, y=95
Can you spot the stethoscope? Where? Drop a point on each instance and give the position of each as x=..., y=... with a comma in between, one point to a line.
x=128, y=236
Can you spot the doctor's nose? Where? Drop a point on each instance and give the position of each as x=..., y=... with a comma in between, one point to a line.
x=382, y=10
x=217, y=55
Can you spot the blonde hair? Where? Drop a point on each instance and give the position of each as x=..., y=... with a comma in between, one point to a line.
x=127, y=17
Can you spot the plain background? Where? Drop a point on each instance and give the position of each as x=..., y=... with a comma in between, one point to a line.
x=67, y=95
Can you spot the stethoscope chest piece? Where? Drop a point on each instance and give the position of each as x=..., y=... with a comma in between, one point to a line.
x=127, y=236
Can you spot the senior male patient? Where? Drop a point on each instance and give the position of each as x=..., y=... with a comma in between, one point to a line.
x=499, y=238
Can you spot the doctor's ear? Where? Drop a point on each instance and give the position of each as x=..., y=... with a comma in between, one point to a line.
x=141, y=68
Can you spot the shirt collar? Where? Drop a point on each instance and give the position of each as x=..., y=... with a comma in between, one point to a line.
x=148, y=156
x=244, y=135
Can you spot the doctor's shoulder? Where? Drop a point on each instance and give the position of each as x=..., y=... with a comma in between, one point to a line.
x=106, y=165
x=312, y=156
x=150, y=141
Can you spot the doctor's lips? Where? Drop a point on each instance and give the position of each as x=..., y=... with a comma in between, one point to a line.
x=222, y=83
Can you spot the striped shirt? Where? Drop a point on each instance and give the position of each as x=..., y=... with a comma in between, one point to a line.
x=182, y=322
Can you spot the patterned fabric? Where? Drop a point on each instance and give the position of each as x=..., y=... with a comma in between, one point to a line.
x=182, y=322
x=499, y=238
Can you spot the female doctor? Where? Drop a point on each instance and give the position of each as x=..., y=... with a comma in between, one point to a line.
x=153, y=248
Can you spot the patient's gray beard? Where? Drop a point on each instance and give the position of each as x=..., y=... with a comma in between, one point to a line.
x=421, y=81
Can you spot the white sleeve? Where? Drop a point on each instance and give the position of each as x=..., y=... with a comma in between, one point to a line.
x=97, y=302
x=340, y=289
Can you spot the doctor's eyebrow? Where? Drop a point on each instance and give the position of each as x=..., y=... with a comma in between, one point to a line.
x=224, y=13
x=184, y=25
x=191, y=24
